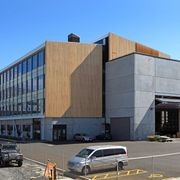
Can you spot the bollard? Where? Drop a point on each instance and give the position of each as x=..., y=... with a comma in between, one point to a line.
x=50, y=171
x=85, y=167
x=117, y=164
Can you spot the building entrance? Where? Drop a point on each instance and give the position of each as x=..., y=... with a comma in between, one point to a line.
x=59, y=132
x=167, y=115
x=167, y=121
x=36, y=129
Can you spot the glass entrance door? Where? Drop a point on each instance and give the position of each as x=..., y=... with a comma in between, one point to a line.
x=36, y=129
x=59, y=132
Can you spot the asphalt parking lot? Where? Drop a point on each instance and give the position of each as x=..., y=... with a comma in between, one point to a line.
x=164, y=164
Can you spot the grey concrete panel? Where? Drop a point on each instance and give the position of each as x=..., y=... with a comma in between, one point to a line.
x=168, y=86
x=144, y=124
x=144, y=83
x=167, y=69
x=115, y=101
x=120, y=67
x=144, y=65
x=120, y=84
x=120, y=112
x=144, y=99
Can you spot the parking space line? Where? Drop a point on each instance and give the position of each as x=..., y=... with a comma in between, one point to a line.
x=105, y=177
x=94, y=178
x=120, y=174
x=155, y=176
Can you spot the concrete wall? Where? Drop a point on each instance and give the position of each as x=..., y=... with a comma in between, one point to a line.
x=120, y=89
x=90, y=126
x=167, y=77
x=131, y=85
x=144, y=94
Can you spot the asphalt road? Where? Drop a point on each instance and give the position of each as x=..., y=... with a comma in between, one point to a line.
x=164, y=167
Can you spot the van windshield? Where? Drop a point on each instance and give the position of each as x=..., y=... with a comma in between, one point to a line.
x=84, y=153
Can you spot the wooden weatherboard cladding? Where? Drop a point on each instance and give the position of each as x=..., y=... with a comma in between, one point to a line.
x=119, y=46
x=73, y=80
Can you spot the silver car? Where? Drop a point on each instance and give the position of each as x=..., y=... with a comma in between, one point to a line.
x=99, y=157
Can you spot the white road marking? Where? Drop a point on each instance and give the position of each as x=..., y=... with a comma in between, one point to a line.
x=50, y=145
x=153, y=156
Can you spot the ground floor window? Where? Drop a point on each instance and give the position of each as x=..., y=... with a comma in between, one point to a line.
x=59, y=132
x=3, y=129
x=27, y=131
x=9, y=130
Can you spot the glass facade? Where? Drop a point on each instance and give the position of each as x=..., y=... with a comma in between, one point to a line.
x=22, y=87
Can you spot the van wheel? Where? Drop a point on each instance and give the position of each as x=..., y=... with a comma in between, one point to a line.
x=120, y=165
x=86, y=170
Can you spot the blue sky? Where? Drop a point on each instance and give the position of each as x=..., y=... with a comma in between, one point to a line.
x=25, y=24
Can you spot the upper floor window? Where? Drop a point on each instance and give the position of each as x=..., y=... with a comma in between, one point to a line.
x=24, y=67
x=15, y=71
x=4, y=78
x=34, y=62
x=19, y=69
x=41, y=58
x=12, y=73
x=29, y=68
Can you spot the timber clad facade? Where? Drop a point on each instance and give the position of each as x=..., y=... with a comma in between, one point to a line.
x=74, y=77
x=63, y=88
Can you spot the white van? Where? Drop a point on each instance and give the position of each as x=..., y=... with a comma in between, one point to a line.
x=99, y=157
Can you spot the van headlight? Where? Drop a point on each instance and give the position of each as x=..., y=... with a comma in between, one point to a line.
x=79, y=164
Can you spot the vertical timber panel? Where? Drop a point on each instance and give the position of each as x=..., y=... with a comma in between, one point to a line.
x=119, y=46
x=73, y=80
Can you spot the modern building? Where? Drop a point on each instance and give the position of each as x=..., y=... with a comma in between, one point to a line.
x=63, y=88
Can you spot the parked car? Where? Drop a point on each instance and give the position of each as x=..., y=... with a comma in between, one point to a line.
x=10, y=153
x=104, y=136
x=98, y=158
x=83, y=137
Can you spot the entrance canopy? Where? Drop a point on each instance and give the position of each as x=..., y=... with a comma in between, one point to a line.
x=167, y=103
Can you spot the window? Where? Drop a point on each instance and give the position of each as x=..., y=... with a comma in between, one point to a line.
x=12, y=73
x=24, y=67
x=34, y=84
x=19, y=69
x=15, y=71
x=29, y=85
x=84, y=153
x=27, y=128
x=34, y=62
x=29, y=65
x=97, y=154
x=24, y=87
x=119, y=151
x=41, y=58
x=40, y=82
x=108, y=152
x=3, y=129
x=34, y=106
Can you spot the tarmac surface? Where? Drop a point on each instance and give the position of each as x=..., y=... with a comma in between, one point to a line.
x=148, y=160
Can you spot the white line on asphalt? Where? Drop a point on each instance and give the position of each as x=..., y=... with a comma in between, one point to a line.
x=161, y=155
x=50, y=145
x=43, y=164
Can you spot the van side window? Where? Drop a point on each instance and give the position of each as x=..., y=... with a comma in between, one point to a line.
x=119, y=151
x=97, y=154
x=108, y=152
